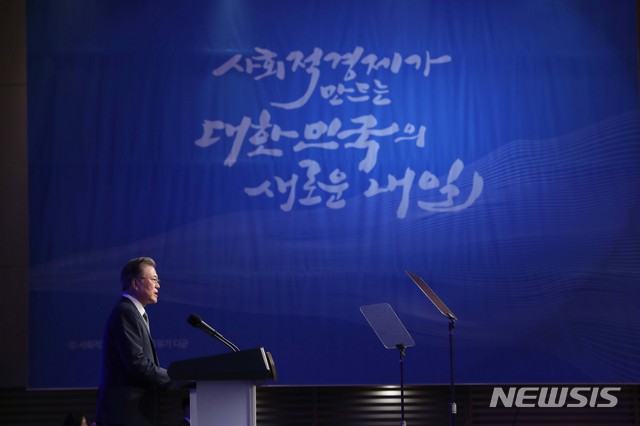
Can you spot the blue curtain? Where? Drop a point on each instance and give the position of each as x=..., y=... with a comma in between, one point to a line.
x=286, y=162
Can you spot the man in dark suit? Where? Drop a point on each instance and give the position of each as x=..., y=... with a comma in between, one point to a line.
x=131, y=374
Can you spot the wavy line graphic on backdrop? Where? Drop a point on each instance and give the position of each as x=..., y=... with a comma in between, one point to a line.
x=572, y=176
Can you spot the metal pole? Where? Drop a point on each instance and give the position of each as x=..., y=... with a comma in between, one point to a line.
x=452, y=396
x=401, y=347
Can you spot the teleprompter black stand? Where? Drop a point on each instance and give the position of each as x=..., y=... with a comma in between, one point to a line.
x=444, y=310
x=391, y=332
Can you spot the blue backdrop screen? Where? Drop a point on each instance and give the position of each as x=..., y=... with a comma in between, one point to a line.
x=285, y=162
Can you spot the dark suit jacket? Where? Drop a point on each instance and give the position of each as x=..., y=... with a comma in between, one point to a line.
x=131, y=377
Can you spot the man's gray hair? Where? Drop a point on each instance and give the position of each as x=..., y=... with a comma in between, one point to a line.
x=133, y=269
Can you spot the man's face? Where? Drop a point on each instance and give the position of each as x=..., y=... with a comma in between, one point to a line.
x=146, y=286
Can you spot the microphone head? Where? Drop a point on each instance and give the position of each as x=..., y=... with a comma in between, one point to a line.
x=194, y=320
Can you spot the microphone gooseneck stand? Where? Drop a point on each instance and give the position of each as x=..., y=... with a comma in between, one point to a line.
x=227, y=343
x=197, y=322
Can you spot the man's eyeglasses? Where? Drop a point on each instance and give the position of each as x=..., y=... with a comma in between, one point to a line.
x=154, y=280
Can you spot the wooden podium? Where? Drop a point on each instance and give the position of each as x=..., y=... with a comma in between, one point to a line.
x=223, y=387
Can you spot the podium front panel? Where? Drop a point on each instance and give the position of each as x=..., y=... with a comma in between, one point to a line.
x=223, y=403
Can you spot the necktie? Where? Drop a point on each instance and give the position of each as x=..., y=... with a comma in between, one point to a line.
x=146, y=321
x=153, y=348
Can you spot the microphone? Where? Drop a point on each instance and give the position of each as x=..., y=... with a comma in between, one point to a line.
x=197, y=322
